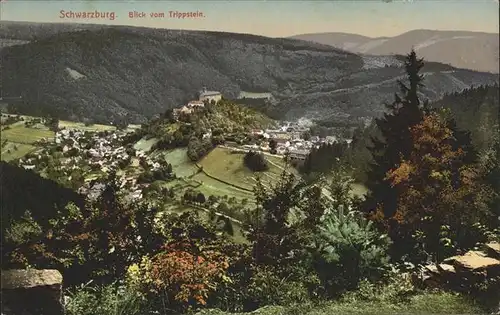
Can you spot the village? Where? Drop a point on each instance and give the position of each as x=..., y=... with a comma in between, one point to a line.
x=83, y=156
x=89, y=156
x=289, y=139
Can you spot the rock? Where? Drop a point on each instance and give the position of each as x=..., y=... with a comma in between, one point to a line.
x=462, y=271
x=30, y=278
x=493, y=250
x=446, y=269
x=476, y=252
x=450, y=260
x=42, y=288
x=476, y=263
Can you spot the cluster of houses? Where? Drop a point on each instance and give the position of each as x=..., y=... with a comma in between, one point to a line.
x=289, y=139
x=191, y=106
x=93, y=151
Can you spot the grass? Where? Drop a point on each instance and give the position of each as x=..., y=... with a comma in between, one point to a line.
x=81, y=126
x=421, y=303
x=223, y=164
x=145, y=145
x=21, y=139
x=214, y=187
x=20, y=134
x=182, y=166
x=9, y=152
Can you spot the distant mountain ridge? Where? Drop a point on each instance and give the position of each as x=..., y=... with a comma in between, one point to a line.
x=107, y=72
x=462, y=49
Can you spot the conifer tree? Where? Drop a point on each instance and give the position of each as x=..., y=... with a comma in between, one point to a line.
x=396, y=142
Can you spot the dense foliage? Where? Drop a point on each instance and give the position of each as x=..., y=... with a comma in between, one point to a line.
x=441, y=196
x=255, y=161
x=324, y=159
x=396, y=141
x=475, y=109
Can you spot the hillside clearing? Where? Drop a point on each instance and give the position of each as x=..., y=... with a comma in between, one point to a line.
x=182, y=166
x=81, y=126
x=214, y=187
x=145, y=144
x=12, y=151
x=228, y=166
x=24, y=135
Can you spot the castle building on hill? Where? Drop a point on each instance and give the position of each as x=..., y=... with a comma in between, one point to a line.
x=209, y=95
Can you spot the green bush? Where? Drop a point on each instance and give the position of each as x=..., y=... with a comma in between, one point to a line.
x=105, y=300
x=267, y=288
x=260, y=286
x=349, y=249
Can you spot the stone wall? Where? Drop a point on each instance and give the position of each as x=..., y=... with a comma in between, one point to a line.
x=31, y=292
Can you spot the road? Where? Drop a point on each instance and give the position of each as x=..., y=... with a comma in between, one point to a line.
x=246, y=150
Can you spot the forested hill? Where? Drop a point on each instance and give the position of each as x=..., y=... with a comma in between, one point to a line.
x=476, y=109
x=105, y=74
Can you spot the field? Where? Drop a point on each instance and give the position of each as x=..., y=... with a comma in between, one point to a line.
x=227, y=165
x=214, y=187
x=145, y=145
x=191, y=177
x=13, y=151
x=18, y=140
x=228, y=176
x=17, y=133
x=221, y=164
x=81, y=126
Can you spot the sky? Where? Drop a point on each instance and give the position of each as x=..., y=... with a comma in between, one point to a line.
x=279, y=18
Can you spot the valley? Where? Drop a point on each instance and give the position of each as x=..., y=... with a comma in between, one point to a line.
x=172, y=171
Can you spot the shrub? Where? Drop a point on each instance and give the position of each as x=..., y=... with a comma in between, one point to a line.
x=266, y=287
x=179, y=277
x=349, y=249
x=255, y=161
x=104, y=300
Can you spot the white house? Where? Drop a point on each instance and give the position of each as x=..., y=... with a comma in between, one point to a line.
x=298, y=154
x=210, y=95
x=194, y=104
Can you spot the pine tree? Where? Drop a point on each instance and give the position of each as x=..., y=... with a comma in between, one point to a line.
x=396, y=142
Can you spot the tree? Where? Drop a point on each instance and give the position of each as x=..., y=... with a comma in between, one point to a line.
x=273, y=145
x=200, y=198
x=349, y=249
x=255, y=161
x=52, y=123
x=188, y=196
x=396, y=141
x=323, y=159
x=182, y=275
x=441, y=197
x=223, y=208
x=490, y=165
x=273, y=238
x=169, y=115
x=168, y=168
x=306, y=135
x=97, y=241
x=212, y=200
